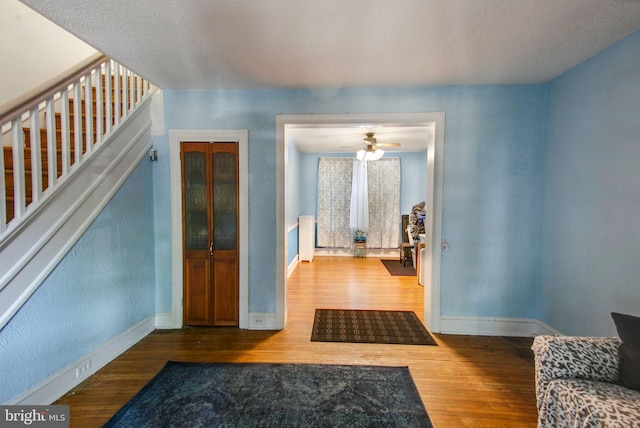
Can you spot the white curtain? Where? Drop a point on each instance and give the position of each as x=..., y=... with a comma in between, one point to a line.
x=383, y=179
x=359, y=198
x=334, y=198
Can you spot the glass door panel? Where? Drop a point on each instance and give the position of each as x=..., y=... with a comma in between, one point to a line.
x=225, y=205
x=195, y=179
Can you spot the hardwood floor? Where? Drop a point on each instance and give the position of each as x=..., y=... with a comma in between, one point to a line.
x=465, y=381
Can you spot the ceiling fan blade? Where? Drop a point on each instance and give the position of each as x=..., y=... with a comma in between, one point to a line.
x=371, y=140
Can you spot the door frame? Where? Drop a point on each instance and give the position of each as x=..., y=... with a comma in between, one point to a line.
x=433, y=179
x=241, y=136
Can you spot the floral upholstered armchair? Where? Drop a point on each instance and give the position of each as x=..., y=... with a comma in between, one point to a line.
x=579, y=384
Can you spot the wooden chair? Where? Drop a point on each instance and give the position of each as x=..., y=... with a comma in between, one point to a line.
x=406, y=247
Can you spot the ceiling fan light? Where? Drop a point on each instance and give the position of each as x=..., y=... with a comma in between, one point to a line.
x=369, y=155
x=377, y=154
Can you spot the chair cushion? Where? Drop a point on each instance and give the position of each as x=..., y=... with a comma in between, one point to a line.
x=416, y=227
x=585, y=403
x=579, y=357
x=629, y=331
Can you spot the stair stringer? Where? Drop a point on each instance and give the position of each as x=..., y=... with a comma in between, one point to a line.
x=33, y=250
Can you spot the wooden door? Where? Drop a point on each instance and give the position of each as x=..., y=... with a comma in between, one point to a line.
x=210, y=233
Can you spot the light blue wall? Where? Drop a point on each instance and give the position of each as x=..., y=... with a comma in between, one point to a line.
x=292, y=244
x=102, y=287
x=491, y=201
x=162, y=224
x=294, y=187
x=591, y=189
x=294, y=190
x=309, y=182
x=413, y=179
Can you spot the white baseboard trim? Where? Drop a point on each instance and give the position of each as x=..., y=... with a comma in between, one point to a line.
x=292, y=266
x=392, y=253
x=164, y=320
x=481, y=326
x=61, y=382
x=262, y=321
x=541, y=328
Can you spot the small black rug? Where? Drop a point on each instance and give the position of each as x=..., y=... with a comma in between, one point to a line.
x=275, y=395
x=396, y=268
x=363, y=326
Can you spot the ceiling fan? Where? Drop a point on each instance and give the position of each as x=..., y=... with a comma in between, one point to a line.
x=372, y=151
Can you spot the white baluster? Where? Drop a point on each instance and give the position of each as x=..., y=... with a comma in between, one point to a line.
x=65, y=131
x=132, y=93
x=119, y=95
x=19, y=202
x=125, y=92
x=36, y=155
x=138, y=90
x=109, y=99
x=77, y=121
x=52, y=161
x=97, y=74
x=88, y=111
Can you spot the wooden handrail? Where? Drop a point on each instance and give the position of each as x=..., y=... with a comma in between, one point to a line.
x=18, y=106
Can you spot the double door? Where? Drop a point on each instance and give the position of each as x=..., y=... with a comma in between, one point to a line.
x=210, y=233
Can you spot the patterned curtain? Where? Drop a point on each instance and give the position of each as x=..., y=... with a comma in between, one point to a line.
x=334, y=199
x=383, y=180
x=335, y=188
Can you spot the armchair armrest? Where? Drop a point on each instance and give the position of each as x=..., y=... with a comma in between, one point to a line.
x=593, y=358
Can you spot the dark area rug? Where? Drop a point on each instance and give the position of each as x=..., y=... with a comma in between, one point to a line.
x=396, y=268
x=275, y=395
x=364, y=326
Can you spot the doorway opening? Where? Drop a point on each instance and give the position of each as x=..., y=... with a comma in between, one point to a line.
x=432, y=179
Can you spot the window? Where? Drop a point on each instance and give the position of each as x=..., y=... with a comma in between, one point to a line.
x=335, y=187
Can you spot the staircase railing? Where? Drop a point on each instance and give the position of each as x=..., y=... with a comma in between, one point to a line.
x=52, y=134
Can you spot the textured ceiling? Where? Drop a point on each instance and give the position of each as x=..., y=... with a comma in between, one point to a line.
x=209, y=44
x=240, y=44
